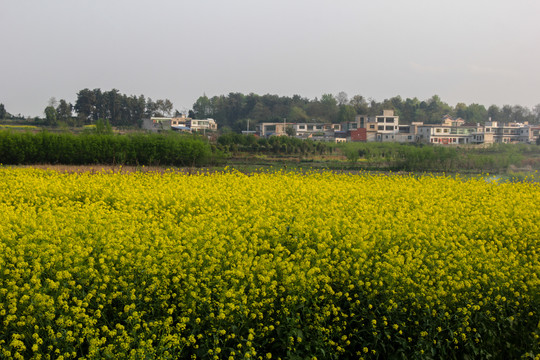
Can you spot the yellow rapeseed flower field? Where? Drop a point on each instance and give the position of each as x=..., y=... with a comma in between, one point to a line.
x=267, y=265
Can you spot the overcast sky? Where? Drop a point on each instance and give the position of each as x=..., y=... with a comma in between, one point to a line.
x=471, y=51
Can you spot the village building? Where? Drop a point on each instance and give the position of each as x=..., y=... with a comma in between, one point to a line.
x=386, y=128
x=179, y=123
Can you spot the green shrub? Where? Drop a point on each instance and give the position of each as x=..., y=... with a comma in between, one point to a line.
x=103, y=148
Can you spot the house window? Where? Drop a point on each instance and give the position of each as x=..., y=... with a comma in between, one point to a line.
x=438, y=130
x=380, y=119
x=380, y=127
x=302, y=127
x=389, y=128
x=372, y=126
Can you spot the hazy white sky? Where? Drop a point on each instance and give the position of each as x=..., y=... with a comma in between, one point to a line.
x=471, y=51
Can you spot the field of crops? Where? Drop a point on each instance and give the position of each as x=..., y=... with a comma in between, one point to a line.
x=267, y=265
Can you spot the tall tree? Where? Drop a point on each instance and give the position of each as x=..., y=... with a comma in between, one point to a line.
x=521, y=114
x=360, y=104
x=476, y=113
x=342, y=98
x=461, y=110
x=52, y=102
x=436, y=109
x=408, y=111
x=164, y=107
x=297, y=114
x=51, y=116
x=494, y=113
x=203, y=108
x=346, y=113
x=234, y=107
x=260, y=113
x=329, y=103
x=536, y=114
x=85, y=104
x=506, y=113
x=112, y=100
x=151, y=108
x=3, y=112
x=64, y=110
x=136, y=107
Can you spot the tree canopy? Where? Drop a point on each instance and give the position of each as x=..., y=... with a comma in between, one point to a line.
x=118, y=109
x=235, y=109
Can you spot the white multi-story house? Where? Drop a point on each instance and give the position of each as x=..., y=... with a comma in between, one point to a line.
x=310, y=129
x=387, y=123
x=383, y=127
x=201, y=124
x=178, y=123
x=510, y=133
x=489, y=133
x=451, y=134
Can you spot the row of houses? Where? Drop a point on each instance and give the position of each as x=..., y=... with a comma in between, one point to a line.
x=180, y=123
x=386, y=128
x=381, y=128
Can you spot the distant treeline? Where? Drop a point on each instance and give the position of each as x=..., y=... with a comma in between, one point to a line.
x=407, y=157
x=236, y=110
x=119, y=109
x=135, y=149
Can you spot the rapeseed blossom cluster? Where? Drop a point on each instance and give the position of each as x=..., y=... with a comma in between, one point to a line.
x=266, y=265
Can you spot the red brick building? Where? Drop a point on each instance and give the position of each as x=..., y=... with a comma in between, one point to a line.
x=358, y=134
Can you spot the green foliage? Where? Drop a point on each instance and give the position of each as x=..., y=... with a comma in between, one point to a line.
x=103, y=127
x=419, y=157
x=227, y=110
x=51, y=116
x=233, y=142
x=103, y=148
x=64, y=113
x=3, y=112
x=351, y=152
x=346, y=113
x=119, y=109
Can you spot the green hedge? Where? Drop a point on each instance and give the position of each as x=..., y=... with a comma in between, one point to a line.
x=420, y=157
x=134, y=149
